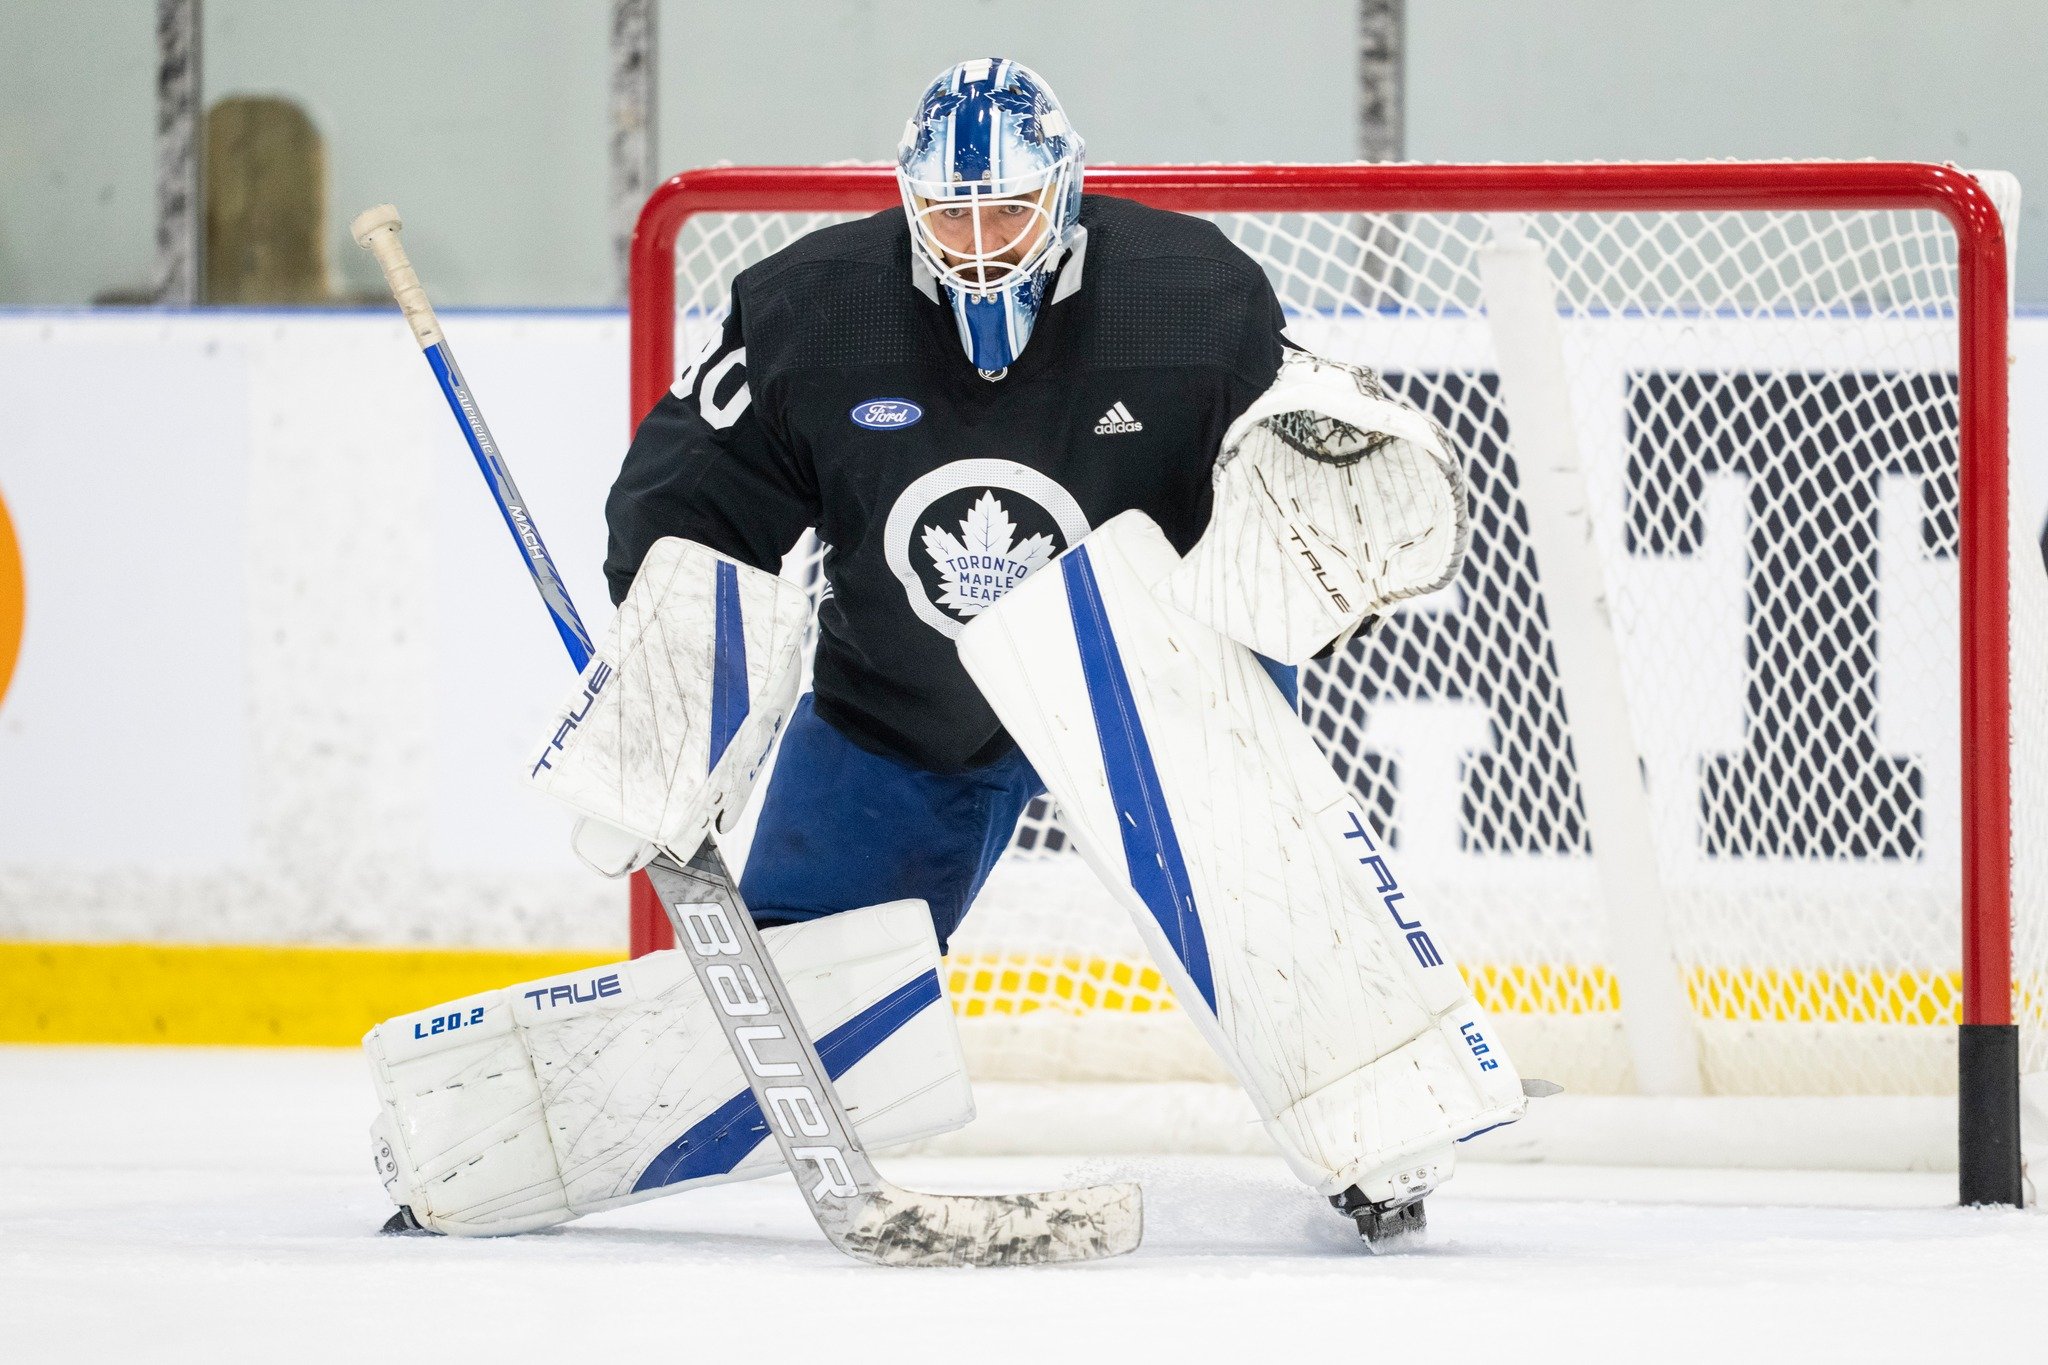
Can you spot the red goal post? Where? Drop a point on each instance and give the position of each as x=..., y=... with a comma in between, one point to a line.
x=1988, y=1051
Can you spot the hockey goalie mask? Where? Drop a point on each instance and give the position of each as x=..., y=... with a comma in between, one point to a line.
x=991, y=179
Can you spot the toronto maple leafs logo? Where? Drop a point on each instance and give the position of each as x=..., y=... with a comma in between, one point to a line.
x=986, y=559
x=964, y=534
x=939, y=104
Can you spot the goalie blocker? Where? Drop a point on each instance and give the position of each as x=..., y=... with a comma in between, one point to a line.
x=1259, y=886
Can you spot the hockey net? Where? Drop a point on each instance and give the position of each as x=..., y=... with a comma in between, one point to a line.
x=1714, y=771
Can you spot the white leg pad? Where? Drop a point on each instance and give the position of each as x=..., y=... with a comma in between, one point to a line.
x=524, y=1107
x=1267, y=900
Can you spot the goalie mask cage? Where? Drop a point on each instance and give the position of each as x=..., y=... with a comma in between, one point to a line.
x=1708, y=763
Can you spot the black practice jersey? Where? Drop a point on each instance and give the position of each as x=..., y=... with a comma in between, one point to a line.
x=838, y=397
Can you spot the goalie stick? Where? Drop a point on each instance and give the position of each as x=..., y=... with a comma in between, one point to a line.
x=860, y=1213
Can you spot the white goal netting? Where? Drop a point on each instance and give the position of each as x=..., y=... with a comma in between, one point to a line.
x=1716, y=767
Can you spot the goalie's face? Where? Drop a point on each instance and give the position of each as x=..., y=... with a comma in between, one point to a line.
x=982, y=243
x=990, y=174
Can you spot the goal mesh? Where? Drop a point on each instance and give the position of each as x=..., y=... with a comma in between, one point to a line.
x=1762, y=407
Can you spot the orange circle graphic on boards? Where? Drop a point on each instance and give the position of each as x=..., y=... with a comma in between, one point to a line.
x=10, y=600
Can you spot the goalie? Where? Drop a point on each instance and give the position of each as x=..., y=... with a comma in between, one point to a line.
x=1084, y=510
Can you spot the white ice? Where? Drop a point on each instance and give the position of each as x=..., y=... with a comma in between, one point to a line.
x=167, y=1204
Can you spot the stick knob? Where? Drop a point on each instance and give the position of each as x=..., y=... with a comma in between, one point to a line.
x=376, y=231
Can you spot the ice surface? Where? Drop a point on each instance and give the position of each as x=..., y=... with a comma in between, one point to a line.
x=172, y=1204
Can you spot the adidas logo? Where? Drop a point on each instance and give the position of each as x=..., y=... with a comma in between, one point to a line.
x=1117, y=421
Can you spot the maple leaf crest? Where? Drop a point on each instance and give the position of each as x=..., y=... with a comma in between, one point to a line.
x=982, y=563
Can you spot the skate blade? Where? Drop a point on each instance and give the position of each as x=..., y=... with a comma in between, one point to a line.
x=1392, y=1230
x=403, y=1224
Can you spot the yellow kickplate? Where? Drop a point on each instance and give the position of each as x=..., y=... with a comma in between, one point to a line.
x=240, y=994
x=314, y=996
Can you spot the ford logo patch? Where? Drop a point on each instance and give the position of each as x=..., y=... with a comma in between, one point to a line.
x=886, y=414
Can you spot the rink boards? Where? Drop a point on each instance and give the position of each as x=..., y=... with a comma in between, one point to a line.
x=285, y=710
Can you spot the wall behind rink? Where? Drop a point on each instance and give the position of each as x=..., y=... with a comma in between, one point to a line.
x=278, y=664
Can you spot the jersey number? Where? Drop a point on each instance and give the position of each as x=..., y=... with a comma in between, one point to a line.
x=718, y=416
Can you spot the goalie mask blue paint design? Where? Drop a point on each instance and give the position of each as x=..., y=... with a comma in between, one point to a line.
x=988, y=163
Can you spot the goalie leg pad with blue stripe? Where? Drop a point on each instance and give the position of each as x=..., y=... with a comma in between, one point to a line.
x=525, y=1107
x=1268, y=901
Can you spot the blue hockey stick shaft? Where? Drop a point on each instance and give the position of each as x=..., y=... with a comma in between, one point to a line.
x=376, y=231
